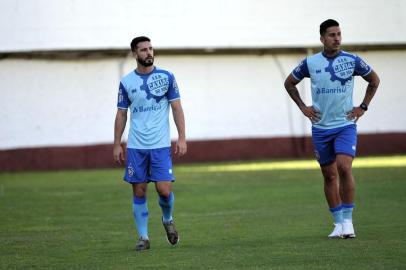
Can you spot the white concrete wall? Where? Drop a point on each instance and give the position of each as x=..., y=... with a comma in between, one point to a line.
x=93, y=24
x=72, y=102
x=56, y=102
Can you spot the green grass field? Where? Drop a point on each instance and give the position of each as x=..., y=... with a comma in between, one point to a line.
x=258, y=215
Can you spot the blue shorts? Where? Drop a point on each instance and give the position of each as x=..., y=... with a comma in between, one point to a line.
x=148, y=165
x=330, y=142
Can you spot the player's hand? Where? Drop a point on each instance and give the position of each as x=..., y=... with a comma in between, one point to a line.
x=311, y=113
x=118, y=154
x=181, y=147
x=355, y=114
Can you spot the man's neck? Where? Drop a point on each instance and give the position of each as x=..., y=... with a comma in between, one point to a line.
x=144, y=70
x=330, y=53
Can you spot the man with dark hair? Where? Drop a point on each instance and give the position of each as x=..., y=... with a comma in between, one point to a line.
x=326, y=24
x=334, y=118
x=137, y=40
x=149, y=92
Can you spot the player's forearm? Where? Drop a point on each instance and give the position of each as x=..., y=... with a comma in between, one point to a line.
x=295, y=96
x=179, y=119
x=373, y=83
x=370, y=92
x=119, y=126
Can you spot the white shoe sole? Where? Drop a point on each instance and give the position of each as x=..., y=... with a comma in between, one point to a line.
x=167, y=240
x=335, y=236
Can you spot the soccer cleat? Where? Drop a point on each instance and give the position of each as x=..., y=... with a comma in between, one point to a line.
x=337, y=232
x=171, y=233
x=142, y=244
x=348, y=230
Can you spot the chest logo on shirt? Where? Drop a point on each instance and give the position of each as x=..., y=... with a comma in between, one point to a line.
x=341, y=69
x=156, y=85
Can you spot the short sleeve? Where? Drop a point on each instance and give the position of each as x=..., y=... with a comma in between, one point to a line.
x=173, y=91
x=123, y=102
x=301, y=71
x=361, y=68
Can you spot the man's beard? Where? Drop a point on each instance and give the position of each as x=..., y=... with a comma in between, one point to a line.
x=145, y=63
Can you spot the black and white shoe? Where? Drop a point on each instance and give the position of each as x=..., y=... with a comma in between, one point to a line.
x=142, y=244
x=171, y=233
x=348, y=229
x=337, y=232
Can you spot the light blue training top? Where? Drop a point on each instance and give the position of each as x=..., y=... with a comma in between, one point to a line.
x=148, y=96
x=332, y=84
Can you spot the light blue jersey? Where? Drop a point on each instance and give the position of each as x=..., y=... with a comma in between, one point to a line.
x=332, y=84
x=148, y=96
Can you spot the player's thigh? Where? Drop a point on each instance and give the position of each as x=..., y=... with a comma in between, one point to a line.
x=137, y=165
x=346, y=142
x=323, y=142
x=161, y=165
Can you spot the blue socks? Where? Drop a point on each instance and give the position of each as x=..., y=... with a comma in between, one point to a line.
x=140, y=211
x=342, y=213
x=337, y=213
x=167, y=207
x=347, y=211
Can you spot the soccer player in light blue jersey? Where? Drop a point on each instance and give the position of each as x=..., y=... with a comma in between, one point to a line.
x=334, y=118
x=149, y=92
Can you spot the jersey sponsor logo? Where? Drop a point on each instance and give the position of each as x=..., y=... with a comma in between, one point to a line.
x=175, y=86
x=299, y=67
x=142, y=109
x=337, y=90
x=363, y=65
x=341, y=69
x=120, y=95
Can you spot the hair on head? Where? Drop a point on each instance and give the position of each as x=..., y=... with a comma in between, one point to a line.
x=137, y=40
x=326, y=24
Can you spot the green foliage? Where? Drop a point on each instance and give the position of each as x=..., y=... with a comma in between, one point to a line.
x=256, y=219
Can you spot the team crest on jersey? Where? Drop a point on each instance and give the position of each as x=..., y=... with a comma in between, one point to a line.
x=341, y=69
x=156, y=85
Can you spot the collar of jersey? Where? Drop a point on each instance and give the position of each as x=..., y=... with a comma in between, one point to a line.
x=331, y=57
x=144, y=74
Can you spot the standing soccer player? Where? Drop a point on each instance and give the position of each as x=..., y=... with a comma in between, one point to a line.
x=333, y=118
x=148, y=92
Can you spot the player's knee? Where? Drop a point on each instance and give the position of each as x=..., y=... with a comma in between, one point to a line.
x=140, y=193
x=139, y=190
x=164, y=192
x=344, y=169
x=330, y=179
